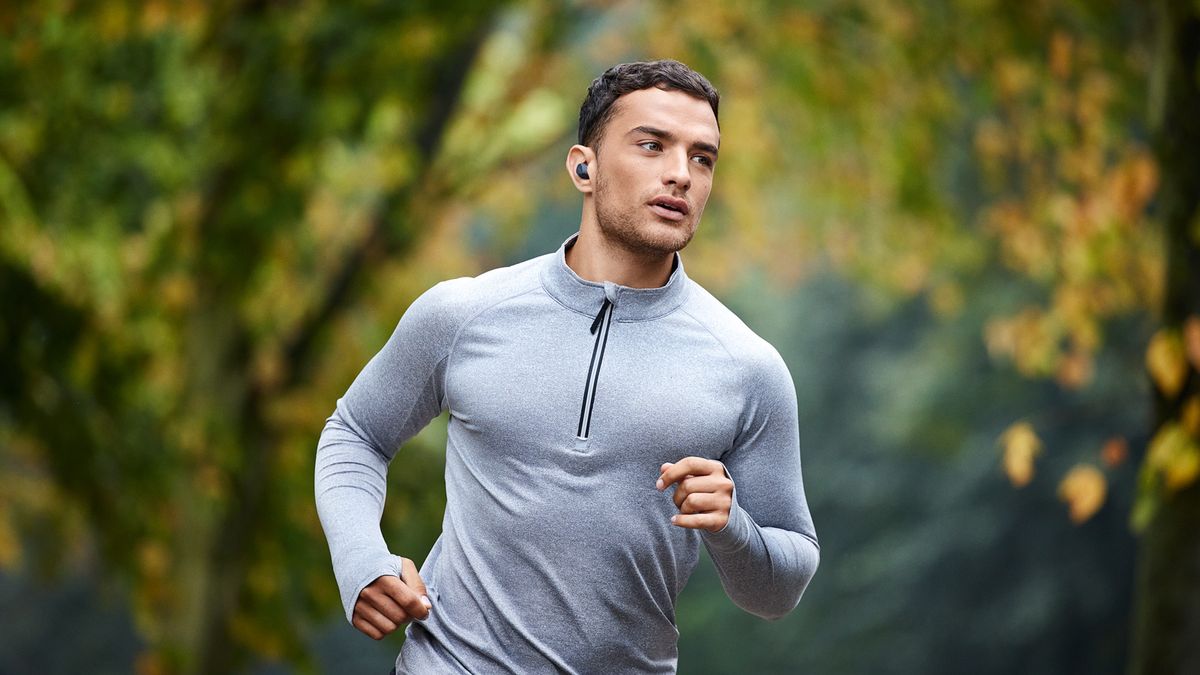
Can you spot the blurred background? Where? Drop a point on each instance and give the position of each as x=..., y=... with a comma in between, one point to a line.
x=969, y=226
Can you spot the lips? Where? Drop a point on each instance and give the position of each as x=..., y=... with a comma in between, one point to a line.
x=669, y=208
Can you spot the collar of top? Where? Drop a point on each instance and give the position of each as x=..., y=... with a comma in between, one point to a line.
x=629, y=304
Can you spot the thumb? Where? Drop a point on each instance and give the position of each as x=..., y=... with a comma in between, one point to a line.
x=412, y=578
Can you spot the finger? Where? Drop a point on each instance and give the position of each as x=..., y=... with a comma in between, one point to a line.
x=704, y=502
x=381, y=600
x=413, y=578
x=701, y=521
x=404, y=596
x=700, y=485
x=372, y=616
x=696, y=466
x=366, y=628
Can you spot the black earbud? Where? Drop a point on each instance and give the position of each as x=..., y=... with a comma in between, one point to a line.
x=581, y=170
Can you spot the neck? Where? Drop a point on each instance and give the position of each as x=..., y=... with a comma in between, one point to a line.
x=596, y=258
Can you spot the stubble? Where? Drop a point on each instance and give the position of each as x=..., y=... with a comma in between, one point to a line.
x=625, y=223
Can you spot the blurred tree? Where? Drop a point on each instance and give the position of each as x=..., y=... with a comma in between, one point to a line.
x=1052, y=99
x=1168, y=612
x=211, y=214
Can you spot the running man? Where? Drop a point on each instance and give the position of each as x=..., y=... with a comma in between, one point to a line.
x=608, y=416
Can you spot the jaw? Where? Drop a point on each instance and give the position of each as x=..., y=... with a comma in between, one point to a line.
x=638, y=230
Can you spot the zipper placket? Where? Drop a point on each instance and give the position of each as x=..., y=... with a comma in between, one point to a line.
x=600, y=329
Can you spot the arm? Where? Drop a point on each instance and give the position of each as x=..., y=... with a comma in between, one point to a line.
x=398, y=392
x=767, y=552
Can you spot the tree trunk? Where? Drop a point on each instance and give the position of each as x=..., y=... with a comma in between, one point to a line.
x=1167, y=618
x=245, y=520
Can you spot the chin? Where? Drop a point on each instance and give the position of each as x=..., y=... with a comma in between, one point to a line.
x=667, y=238
x=652, y=237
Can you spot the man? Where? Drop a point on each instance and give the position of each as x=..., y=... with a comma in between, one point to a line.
x=602, y=404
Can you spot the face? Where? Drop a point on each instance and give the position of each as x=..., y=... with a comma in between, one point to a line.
x=654, y=170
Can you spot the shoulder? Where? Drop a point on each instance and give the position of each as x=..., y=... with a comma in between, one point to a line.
x=450, y=304
x=756, y=357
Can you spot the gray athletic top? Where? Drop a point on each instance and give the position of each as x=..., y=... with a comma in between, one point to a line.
x=565, y=396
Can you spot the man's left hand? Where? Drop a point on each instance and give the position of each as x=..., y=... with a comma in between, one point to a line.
x=704, y=494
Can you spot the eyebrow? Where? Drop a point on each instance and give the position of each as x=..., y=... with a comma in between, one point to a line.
x=670, y=137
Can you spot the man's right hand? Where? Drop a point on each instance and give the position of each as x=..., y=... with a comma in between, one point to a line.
x=388, y=603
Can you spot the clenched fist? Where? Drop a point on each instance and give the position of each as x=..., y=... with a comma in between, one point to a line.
x=389, y=602
x=704, y=492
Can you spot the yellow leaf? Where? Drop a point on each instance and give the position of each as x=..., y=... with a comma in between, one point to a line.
x=153, y=559
x=1189, y=416
x=1061, y=46
x=1167, y=442
x=1191, y=340
x=1083, y=489
x=1166, y=362
x=1183, y=468
x=1021, y=444
x=1174, y=454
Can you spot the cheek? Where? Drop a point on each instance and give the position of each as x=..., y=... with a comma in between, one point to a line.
x=702, y=187
x=618, y=181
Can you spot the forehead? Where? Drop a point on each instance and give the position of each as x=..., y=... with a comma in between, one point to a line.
x=685, y=115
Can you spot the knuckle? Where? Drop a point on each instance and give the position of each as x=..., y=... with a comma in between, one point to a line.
x=366, y=629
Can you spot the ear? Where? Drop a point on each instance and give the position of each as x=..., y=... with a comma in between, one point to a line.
x=582, y=154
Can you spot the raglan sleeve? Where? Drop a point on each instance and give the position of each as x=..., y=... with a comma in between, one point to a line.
x=395, y=395
x=768, y=552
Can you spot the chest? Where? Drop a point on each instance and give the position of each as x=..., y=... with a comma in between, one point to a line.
x=548, y=389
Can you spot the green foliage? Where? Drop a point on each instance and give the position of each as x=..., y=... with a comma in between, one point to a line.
x=193, y=195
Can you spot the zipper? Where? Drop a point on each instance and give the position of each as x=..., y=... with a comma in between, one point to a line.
x=600, y=330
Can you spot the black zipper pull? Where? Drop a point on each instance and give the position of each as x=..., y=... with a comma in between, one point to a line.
x=600, y=315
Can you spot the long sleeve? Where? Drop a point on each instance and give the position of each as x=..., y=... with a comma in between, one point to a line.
x=768, y=552
x=395, y=396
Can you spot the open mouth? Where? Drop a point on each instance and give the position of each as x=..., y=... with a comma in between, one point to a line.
x=671, y=209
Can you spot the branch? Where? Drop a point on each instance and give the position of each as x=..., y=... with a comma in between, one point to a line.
x=451, y=74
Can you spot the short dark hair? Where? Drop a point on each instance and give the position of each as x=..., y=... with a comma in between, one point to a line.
x=667, y=74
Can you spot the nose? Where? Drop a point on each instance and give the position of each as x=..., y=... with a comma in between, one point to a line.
x=677, y=172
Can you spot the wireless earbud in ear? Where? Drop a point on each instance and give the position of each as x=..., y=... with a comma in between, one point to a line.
x=581, y=170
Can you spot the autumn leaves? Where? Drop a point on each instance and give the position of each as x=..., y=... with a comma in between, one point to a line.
x=1084, y=487
x=1172, y=458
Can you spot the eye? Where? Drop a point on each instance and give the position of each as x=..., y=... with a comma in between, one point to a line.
x=656, y=145
x=704, y=159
